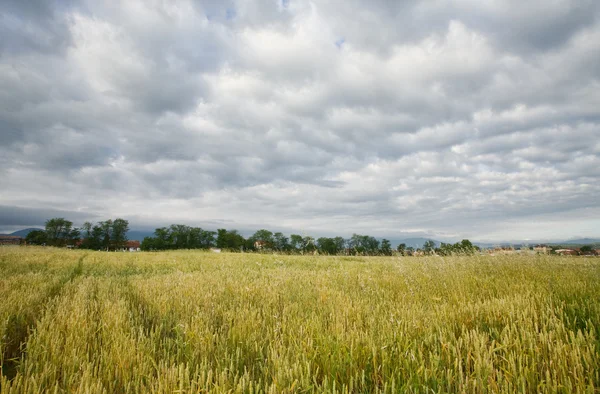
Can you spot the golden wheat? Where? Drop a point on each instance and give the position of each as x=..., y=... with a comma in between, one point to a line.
x=189, y=321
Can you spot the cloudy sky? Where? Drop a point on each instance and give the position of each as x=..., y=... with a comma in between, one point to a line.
x=452, y=119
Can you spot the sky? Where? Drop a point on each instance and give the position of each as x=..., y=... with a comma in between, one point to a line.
x=450, y=119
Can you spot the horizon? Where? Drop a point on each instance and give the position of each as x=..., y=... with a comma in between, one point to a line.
x=470, y=120
x=393, y=238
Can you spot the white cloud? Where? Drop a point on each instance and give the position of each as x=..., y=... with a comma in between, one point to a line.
x=470, y=119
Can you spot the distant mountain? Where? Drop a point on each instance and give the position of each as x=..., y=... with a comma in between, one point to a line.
x=580, y=241
x=23, y=233
x=413, y=242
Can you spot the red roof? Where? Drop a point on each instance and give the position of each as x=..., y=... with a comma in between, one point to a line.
x=133, y=244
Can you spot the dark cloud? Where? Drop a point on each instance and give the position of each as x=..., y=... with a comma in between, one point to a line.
x=21, y=216
x=34, y=25
x=463, y=119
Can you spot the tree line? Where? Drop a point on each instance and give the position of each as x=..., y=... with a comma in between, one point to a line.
x=105, y=235
x=112, y=235
x=178, y=236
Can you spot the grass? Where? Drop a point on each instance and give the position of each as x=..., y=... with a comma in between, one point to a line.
x=191, y=321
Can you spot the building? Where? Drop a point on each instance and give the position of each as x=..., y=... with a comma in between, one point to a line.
x=566, y=252
x=132, y=246
x=260, y=244
x=11, y=240
x=542, y=249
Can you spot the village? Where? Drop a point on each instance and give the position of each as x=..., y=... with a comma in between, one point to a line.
x=544, y=249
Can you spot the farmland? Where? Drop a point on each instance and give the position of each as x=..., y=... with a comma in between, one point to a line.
x=188, y=321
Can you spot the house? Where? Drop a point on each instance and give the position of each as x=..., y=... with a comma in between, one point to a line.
x=132, y=246
x=566, y=252
x=542, y=249
x=11, y=240
x=215, y=250
x=499, y=250
x=260, y=244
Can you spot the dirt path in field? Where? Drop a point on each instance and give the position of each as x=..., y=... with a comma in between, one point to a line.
x=22, y=322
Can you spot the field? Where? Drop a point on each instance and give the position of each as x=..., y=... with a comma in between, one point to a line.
x=93, y=322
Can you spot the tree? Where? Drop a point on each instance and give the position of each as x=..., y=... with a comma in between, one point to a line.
x=120, y=227
x=162, y=239
x=401, y=249
x=386, y=247
x=148, y=243
x=36, y=237
x=308, y=244
x=207, y=239
x=586, y=250
x=60, y=232
x=340, y=244
x=92, y=236
x=363, y=244
x=221, y=238
x=105, y=233
x=466, y=247
x=296, y=242
x=445, y=249
x=429, y=247
x=281, y=242
x=262, y=239
x=327, y=246
x=231, y=240
x=179, y=235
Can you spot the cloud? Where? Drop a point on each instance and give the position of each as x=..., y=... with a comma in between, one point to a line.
x=467, y=119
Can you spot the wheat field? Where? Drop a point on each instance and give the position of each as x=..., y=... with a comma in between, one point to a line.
x=196, y=322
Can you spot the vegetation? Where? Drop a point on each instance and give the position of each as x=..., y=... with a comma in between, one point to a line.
x=465, y=247
x=106, y=235
x=112, y=235
x=189, y=321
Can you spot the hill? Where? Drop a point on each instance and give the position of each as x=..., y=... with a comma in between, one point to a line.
x=23, y=233
x=580, y=241
x=413, y=242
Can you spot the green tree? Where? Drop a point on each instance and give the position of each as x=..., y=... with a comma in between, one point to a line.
x=105, y=234
x=429, y=247
x=466, y=247
x=148, y=244
x=263, y=239
x=231, y=240
x=401, y=249
x=118, y=238
x=327, y=246
x=179, y=235
x=386, y=247
x=36, y=237
x=60, y=232
x=281, y=242
x=308, y=244
x=364, y=244
x=340, y=244
x=296, y=242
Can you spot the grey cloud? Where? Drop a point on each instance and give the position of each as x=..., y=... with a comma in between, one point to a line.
x=430, y=118
x=34, y=25
x=23, y=216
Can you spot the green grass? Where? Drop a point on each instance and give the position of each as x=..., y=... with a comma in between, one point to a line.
x=190, y=321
